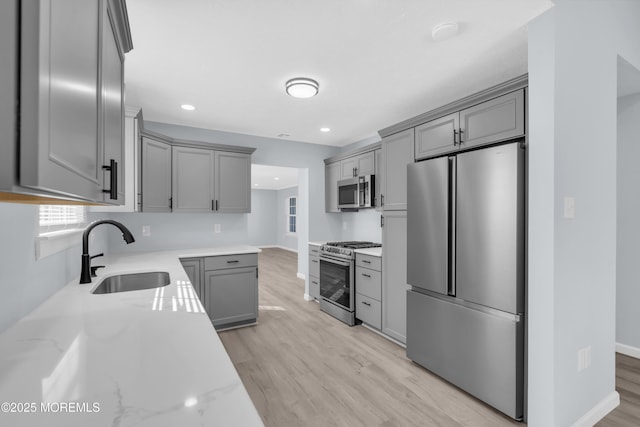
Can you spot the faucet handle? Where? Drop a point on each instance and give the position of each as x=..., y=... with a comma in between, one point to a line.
x=94, y=268
x=96, y=256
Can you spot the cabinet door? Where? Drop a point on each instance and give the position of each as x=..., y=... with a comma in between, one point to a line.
x=348, y=168
x=231, y=295
x=394, y=275
x=379, y=177
x=232, y=182
x=192, y=268
x=112, y=108
x=496, y=120
x=397, y=153
x=156, y=176
x=314, y=287
x=437, y=136
x=366, y=164
x=332, y=174
x=60, y=145
x=192, y=179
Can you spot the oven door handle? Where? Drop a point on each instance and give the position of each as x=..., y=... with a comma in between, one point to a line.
x=335, y=261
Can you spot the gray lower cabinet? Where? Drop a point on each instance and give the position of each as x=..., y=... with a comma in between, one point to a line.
x=397, y=153
x=314, y=271
x=368, y=278
x=495, y=120
x=227, y=286
x=332, y=174
x=193, y=268
x=155, y=176
x=192, y=179
x=67, y=132
x=394, y=275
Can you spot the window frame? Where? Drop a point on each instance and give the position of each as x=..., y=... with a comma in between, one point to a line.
x=290, y=216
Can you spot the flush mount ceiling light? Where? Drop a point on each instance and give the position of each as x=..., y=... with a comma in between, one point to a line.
x=301, y=87
x=325, y=130
x=187, y=107
x=444, y=30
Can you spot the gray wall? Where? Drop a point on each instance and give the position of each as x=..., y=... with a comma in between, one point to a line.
x=262, y=218
x=283, y=237
x=628, y=280
x=573, y=51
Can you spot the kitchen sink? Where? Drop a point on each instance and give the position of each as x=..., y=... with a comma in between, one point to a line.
x=133, y=282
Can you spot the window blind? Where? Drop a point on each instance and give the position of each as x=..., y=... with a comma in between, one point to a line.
x=61, y=217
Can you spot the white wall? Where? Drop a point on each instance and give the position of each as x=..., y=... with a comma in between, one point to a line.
x=573, y=52
x=281, y=209
x=628, y=279
x=362, y=225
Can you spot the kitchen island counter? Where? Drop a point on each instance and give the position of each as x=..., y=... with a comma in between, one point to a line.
x=140, y=358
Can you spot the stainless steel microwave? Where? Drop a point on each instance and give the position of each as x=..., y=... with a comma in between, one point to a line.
x=357, y=192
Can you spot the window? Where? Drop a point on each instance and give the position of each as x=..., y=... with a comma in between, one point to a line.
x=291, y=215
x=57, y=218
x=59, y=227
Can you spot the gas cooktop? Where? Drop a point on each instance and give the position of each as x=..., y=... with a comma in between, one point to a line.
x=354, y=244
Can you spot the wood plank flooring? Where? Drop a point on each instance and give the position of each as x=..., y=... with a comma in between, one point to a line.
x=628, y=386
x=302, y=367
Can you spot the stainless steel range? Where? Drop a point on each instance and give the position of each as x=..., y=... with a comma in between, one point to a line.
x=337, y=284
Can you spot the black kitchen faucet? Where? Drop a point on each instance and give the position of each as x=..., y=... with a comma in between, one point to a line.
x=85, y=273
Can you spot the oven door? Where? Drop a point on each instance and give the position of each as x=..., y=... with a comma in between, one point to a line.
x=336, y=282
x=349, y=193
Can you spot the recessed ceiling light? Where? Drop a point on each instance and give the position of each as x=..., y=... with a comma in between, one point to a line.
x=302, y=87
x=444, y=30
x=325, y=130
x=187, y=107
x=276, y=178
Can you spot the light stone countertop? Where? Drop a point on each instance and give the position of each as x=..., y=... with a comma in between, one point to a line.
x=370, y=251
x=141, y=358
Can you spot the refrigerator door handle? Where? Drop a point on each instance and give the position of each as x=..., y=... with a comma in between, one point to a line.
x=451, y=279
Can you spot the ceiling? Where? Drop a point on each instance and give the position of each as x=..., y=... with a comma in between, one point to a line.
x=273, y=177
x=375, y=61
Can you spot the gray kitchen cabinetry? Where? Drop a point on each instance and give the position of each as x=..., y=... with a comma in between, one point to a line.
x=397, y=153
x=379, y=177
x=332, y=174
x=495, y=120
x=363, y=164
x=64, y=137
x=192, y=181
x=314, y=271
x=230, y=289
x=394, y=275
x=232, y=182
x=156, y=175
x=193, y=268
x=368, y=279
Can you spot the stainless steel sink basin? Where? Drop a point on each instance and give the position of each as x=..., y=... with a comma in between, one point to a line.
x=133, y=282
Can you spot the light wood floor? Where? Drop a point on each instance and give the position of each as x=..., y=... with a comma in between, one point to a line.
x=302, y=367
x=628, y=385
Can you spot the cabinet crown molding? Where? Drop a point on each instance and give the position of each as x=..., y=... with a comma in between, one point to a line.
x=365, y=149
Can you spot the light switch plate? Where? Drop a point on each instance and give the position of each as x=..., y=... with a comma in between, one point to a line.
x=217, y=228
x=146, y=230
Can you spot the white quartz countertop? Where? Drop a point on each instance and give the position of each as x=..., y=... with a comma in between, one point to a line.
x=370, y=251
x=316, y=243
x=141, y=358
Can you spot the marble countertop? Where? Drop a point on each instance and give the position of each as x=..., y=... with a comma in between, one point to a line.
x=370, y=251
x=141, y=358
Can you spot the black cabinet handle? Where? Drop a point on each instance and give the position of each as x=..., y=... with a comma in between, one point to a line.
x=234, y=261
x=113, y=168
x=460, y=132
x=366, y=261
x=455, y=137
x=368, y=304
x=213, y=206
x=366, y=275
x=314, y=260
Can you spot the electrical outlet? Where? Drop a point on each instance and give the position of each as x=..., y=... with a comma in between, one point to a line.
x=584, y=358
x=146, y=230
x=569, y=207
x=217, y=228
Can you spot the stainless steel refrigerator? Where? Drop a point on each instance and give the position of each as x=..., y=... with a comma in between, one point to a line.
x=466, y=267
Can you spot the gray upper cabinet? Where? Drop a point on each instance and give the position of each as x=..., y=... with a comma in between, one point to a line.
x=112, y=111
x=379, y=177
x=65, y=131
x=397, y=153
x=192, y=179
x=495, y=120
x=332, y=174
x=437, y=136
x=156, y=176
x=232, y=182
x=363, y=164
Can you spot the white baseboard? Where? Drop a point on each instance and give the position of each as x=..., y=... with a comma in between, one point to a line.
x=308, y=297
x=628, y=350
x=278, y=247
x=599, y=411
x=301, y=276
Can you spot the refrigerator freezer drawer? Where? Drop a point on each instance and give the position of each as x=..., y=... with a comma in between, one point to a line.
x=478, y=352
